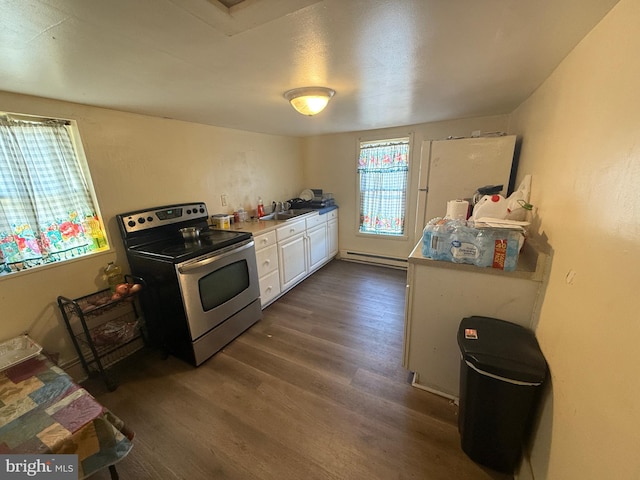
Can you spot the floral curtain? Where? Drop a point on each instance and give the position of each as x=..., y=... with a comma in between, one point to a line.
x=46, y=210
x=383, y=172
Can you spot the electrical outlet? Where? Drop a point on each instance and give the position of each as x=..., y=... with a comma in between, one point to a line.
x=223, y=199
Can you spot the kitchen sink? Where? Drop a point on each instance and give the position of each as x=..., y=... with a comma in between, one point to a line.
x=287, y=214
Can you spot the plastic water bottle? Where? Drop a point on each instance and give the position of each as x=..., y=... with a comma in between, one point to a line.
x=464, y=248
x=513, y=250
x=427, y=233
x=438, y=238
x=498, y=249
x=485, y=242
x=113, y=274
x=434, y=239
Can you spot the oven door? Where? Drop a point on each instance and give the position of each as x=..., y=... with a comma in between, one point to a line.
x=217, y=285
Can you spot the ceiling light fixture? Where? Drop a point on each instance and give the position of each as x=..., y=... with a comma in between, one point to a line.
x=309, y=100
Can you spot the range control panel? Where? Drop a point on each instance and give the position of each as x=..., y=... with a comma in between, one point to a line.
x=156, y=217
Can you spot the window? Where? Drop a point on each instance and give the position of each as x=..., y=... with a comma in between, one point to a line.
x=47, y=208
x=383, y=171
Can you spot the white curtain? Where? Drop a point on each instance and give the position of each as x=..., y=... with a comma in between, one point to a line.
x=383, y=174
x=46, y=209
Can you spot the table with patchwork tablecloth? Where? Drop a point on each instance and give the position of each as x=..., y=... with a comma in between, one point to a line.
x=42, y=410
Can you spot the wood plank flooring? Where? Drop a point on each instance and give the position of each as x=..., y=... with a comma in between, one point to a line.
x=315, y=390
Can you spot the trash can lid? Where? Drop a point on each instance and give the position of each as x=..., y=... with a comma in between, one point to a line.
x=503, y=349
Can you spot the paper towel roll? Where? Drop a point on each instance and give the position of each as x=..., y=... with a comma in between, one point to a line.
x=457, y=209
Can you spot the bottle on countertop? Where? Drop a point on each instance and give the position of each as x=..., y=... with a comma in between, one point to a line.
x=260, y=210
x=113, y=274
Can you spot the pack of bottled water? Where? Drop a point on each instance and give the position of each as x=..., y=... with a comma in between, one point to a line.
x=460, y=241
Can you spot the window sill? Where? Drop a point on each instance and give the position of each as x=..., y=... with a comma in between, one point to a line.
x=41, y=268
x=403, y=237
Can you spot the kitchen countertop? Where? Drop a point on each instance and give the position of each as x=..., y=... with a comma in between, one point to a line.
x=531, y=263
x=257, y=227
x=324, y=210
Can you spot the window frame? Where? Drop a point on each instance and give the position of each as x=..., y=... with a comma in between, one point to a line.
x=381, y=139
x=83, y=164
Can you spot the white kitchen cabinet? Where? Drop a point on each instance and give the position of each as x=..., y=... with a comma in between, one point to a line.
x=293, y=261
x=440, y=294
x=332, y=233
x=317, y=244
x=292, y=253
x=293, y=250
x=268, y=270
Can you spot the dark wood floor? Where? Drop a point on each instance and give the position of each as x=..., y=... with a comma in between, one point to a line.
x=315, y=390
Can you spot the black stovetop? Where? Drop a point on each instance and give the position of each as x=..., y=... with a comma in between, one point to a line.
x=155, y=232
x=176, y=249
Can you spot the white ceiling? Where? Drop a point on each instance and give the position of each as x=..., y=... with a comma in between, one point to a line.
x=391, y=62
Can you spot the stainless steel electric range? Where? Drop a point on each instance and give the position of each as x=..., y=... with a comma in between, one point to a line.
x=202, y=288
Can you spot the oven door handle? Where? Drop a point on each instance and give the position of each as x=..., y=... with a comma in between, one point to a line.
x=231, y=250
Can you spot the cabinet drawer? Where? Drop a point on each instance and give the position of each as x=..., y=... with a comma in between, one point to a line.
x=269, y=287
x=314, y=220
x=265, y=240
x=332, y=215
x=267, y=259
x=290, y=229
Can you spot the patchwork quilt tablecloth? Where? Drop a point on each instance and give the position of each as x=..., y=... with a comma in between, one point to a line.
x=43, y=411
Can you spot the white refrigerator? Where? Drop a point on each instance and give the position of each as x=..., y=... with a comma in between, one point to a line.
x=455, y=169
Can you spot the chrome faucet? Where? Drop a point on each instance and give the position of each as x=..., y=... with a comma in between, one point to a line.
x=280, y=206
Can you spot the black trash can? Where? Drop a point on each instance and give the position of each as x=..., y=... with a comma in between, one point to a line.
x=501, y=371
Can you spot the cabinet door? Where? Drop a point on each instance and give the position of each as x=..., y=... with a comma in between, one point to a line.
x=317, y=238
x=293, y=261
x=332, y=238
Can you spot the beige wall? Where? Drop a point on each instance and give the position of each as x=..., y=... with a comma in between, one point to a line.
x=330, y=163
x=137, y=162
x=581, y=143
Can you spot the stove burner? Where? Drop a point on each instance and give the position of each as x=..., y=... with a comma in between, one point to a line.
x=216, y=235
x=182, y=248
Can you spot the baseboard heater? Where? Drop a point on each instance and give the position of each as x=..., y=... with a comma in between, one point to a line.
x=373, y=258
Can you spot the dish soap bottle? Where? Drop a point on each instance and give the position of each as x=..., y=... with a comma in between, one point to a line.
x=114, y=276
x=260, y=211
